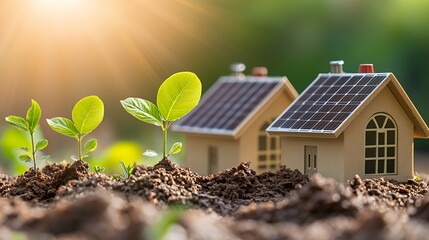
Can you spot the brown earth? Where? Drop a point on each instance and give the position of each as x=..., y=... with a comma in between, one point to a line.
x=69, y=202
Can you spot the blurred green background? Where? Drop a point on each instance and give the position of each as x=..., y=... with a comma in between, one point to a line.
x=119, y=49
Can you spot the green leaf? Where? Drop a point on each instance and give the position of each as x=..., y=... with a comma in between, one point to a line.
x=18, y=122
x=143, y=110
x=99, y=169
x=176, y=148
x=25, y=149
x=178, y=95
x=90, y=145
x=64, y=126
x=87, y=114
x=126, y=170
x=25, y=158
x=42, y=144
x=33, y=116
x=150, y=153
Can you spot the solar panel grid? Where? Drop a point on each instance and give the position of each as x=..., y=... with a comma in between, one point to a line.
x=204, y=113
x=229, y=104
x=328, y=102
x=244, y=111
x=209, y=118
x=236, y=105
x=217, y=120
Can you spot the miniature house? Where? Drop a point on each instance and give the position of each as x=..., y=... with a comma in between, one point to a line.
x=228, y=126
x=345, y=124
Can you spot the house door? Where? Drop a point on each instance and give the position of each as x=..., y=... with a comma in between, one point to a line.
x=310, y=160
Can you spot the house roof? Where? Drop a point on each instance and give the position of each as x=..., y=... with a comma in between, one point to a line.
x=229, y=105
x=332, y=101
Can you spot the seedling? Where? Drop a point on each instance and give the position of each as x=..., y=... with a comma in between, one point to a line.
x=87, y=114
x=99, y=169
x=30, y=124
x=177, y=96
x=126, y=170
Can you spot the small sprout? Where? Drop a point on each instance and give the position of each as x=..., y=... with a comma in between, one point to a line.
x=126, y=170
x=117, y=177
x=416, y=178
x=176, y=148
x=30, y=124
x=87, y=114
x=177, y=96
x=99, y=169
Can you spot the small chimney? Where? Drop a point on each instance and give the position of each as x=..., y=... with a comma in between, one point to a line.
x=237, y=69
x=337, y=66
x=259, y=71
x=366, y=68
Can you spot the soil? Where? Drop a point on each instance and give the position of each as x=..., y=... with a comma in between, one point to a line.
x=69, y=202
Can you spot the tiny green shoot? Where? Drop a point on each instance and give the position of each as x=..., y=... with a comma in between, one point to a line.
x=126, y=170
x=177, y=96
x=29, y=124
x=99, y=169
x=87, y=114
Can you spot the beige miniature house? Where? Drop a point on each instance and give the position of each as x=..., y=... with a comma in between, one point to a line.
x=346, y=124
x=228, y=126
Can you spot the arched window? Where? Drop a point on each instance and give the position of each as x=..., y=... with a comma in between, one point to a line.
x=380, y=145
x=268, y=150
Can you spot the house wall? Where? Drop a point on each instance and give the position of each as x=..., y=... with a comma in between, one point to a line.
x=330, y=154
x=248, y=141
x=354, y=138
x=197, y=152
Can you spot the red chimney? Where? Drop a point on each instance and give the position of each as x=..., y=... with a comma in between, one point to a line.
x=260, y=71
x=366, y=68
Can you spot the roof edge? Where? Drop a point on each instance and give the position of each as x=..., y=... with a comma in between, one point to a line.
x=204, y=131
x=421, y=129
x=302, y=134
x=286, y=86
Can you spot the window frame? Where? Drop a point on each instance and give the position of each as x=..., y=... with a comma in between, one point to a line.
x=379, y=152
x=272, y=157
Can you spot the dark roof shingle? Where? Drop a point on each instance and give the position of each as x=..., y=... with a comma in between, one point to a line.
x=327, y=103
x=227, y=104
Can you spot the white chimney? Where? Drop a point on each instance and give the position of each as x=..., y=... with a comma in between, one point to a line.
x=337, y=66
x=237, y=69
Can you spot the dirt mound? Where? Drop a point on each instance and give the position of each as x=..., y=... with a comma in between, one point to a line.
x=5, y=181
x=241, y=183
x=225, y=192
x=390, y=193
x=166, y=183
x=320, y=199
x=42, y=185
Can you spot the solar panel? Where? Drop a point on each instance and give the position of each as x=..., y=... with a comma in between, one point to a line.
x=229, y=102
x=328, y=102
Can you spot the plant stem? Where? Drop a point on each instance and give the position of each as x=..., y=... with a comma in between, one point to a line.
x=79, y=142
x=33, y=151
x=164, y=131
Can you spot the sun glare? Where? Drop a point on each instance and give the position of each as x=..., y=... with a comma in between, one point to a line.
x=61, y=8
x=68, y=48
